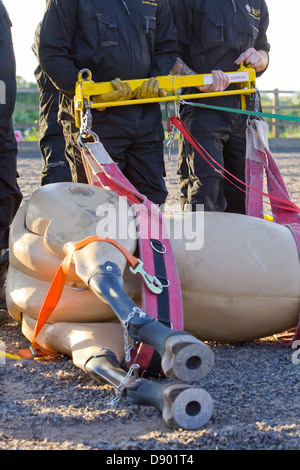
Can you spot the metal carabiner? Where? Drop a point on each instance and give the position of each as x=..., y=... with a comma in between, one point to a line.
x=152, y=282
x=171, y=134
x=171, y=144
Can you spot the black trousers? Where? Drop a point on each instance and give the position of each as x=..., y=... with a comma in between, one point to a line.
x=133, y=137
x=51, y=139
x=10, y=194
x=223, y=136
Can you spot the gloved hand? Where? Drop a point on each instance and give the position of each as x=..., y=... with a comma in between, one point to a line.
x=150, y=89
x=121, y=92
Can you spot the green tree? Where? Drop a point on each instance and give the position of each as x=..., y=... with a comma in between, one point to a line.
x=26, y=114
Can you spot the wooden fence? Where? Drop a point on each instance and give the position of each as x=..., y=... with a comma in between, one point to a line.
x=276, y=107
x=35, y=107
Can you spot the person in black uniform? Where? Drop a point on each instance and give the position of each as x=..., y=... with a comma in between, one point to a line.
x=10, y=194
x=217, y=36
x=51, y=138
x=116, y=39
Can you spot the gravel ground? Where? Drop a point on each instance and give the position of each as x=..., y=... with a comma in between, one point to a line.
x=54, y=406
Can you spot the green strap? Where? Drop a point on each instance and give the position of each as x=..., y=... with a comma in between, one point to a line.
x=242, y=111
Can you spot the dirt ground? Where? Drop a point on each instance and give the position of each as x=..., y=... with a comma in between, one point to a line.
x=54, y=406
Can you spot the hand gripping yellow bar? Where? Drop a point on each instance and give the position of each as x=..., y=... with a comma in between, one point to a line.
x=86, y=88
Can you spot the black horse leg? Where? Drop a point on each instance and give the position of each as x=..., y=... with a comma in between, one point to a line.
x=184, y=357
x=181, y=405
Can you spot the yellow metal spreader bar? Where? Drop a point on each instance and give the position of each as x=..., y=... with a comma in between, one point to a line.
x=86, y=88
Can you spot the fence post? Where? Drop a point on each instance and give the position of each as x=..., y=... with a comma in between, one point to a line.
x=275, y=105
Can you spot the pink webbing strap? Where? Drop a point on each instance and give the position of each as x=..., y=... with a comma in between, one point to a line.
x=155, y=249
x=255, y=178
x=258, y=161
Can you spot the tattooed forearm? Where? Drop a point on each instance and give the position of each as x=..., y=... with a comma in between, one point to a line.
x=180, y=68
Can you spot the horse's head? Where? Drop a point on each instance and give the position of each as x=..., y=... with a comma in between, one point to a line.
x=43, y=230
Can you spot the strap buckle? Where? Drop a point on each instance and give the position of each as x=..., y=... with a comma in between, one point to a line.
x=152, y=282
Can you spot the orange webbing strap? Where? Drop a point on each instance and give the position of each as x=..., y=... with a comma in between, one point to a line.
x=56, y=289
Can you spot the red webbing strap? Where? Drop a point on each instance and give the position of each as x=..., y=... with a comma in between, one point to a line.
x=149, y=221
x=285, y=204
x=56, y=288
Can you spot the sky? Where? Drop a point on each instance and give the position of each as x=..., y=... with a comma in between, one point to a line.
x=283, y=34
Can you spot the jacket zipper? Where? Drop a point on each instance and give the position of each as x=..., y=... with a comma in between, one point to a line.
x=234, y=5
x=126, y=7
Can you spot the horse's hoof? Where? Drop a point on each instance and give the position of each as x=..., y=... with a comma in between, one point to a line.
x=186, y=358
x=186, y=407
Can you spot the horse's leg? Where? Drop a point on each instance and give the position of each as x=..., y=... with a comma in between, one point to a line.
x=181, y=405
x=184, y=357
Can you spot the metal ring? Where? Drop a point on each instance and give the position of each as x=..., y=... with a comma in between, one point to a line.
x=158, y=251
x=73, y=286
x=86, y=136
x=86, y=72
x=164, y=285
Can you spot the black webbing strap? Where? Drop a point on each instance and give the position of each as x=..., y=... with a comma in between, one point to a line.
x=163, y=309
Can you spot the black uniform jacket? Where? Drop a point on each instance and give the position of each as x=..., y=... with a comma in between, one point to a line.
x=213, y=33
x=113, y=38
x=7, y=63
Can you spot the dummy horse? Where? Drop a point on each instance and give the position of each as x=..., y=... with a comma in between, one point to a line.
x=240, y=280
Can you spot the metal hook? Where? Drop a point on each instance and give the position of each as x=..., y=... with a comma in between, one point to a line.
x=152, y=282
